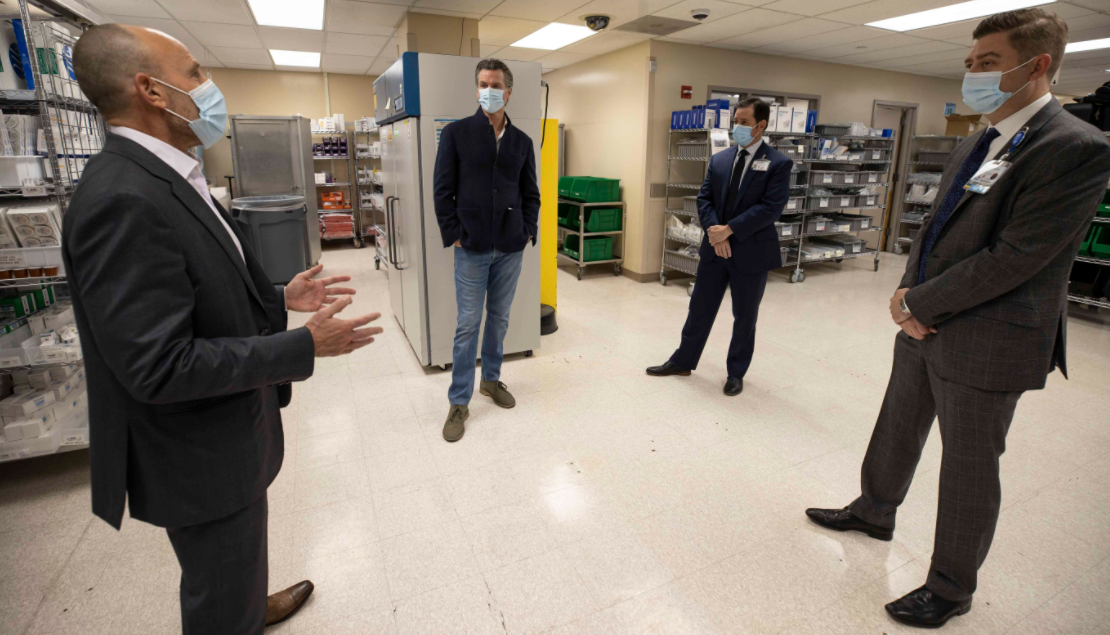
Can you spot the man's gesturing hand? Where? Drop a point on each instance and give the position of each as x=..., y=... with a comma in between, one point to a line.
x=334, y=337
x=307, y=295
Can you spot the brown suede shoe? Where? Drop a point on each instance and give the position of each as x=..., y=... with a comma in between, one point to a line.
x=283, y=604
x=454, y=427
x=499, y=392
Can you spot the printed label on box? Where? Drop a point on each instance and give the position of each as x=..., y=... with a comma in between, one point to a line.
x=787, y=231
x=871, y=178
x=10, y=362
x=845, y=202
x=791, y=204
x=821, y=226
x=12, y=260
x=824, y=202
x=876, y=154
x=855, y=248
x=79, y=438
x=826, y=178
x=849, y=178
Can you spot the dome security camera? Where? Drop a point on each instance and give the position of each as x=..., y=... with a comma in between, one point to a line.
x=699, y=14
x=597, y=22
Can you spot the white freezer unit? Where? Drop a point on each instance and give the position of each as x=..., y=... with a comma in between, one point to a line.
x=436, y=90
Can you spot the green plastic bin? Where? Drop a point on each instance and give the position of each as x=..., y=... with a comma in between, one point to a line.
x=1100, y=244
x=590, y=189
x=1085, y=246
x=597, y=248
x=1104, y=205
x=598, y=219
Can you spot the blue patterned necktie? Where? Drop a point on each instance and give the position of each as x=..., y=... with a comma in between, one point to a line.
x=955, y=192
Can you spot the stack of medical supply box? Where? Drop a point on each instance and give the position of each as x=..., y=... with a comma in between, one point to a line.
x=714, y=114
x=791, y=120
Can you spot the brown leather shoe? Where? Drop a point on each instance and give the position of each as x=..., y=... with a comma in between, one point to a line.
x=283, y=604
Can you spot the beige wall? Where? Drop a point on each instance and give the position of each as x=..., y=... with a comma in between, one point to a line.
x=257, y=92
x=603, y=103
x=617, y=115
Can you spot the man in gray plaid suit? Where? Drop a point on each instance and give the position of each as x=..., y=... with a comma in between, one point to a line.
x=983, y=304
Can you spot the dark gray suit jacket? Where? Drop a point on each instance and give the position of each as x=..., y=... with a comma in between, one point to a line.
x=996, y=287
x=185, y=346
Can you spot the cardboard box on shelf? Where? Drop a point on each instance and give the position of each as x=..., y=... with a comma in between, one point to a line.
x=785, y=119
x=25, y=404
x=964, y=125
x=39, y=424
x=798, y=121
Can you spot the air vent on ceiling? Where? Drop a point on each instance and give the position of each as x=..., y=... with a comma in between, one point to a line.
x=656, y=26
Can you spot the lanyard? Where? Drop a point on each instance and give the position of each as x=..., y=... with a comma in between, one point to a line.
x=1014, y=143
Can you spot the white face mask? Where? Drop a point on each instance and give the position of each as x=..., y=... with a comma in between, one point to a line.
x=982, y=92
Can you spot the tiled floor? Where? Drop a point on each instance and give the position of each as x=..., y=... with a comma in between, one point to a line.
x=608, y=502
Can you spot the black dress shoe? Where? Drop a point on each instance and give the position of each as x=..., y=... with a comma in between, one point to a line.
x=734, y=386
x=926, y=609
x=844, y=520
x=667, y=369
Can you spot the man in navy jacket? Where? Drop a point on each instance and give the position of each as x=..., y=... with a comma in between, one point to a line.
x=488, y=206
x=742, y=197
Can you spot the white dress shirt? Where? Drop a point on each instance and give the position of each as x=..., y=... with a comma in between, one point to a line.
x=1010, y=126
x=183, y=164
x=747, y=160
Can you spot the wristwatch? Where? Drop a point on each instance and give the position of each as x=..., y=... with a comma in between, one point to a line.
x=905, y=309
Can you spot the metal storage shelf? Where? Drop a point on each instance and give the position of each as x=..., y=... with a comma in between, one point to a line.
x=1105, y=262
x=323, y=185
x=1101, y=303
x=687, y=159
x=686, y=186
x=838, y=162
x=812, y=261
x=582, y=235
x=375, y=216
x=342, y=158
x=919, y=144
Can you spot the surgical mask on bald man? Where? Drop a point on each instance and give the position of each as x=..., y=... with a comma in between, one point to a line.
x=211, y=119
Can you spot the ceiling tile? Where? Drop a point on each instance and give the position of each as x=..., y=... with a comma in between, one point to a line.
x=379, y=66
x=169, y=27
x=606, y=42
x=355, y=64
x=489, y=50
x=796, y=28
x=958, y=55
x=619, y=11
x=1098, y=5
x=234, y=35
x=456, y=14
x=348, y=44
x=481, y=7
x=222, y=11
x=811, y=7
x=952, y=32
x=499, y=31
x=297, y=69
x=721, y=29
x=521, y=54
x=544, y=10
x=866, y=46
x=717, y=10
x=137, y=8
x=390, y=50
x=364, y=18
x=559, y=59
x=883, y=9
x=292, y=39
x=954, y=68
x=212, y=62
x=231, y=56
x=849, y=35
x=252, y=67
x=900, y=52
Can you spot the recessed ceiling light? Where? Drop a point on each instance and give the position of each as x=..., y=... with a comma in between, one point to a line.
x=554, y=36
x=1087, y=45
x=295, y=58
x=954, y=13
x=293, y=14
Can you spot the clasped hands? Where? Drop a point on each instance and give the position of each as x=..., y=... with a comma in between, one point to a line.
x=907, y=321
x=718, y=239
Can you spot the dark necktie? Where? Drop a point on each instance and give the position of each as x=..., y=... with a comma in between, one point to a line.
x=955, y=191
x=734, y=185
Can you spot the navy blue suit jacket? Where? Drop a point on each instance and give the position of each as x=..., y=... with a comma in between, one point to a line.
x=763, y=194
x=486, y=198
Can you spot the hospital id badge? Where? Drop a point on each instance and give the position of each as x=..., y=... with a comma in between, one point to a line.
x=761, y=165
x=987, y=175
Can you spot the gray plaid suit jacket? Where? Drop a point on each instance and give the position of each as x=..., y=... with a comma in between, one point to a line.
x=996, y=286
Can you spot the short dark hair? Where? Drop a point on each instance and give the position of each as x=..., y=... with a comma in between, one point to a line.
x=1032, y=32
x=105, y=61
x=759, y=108
x=491, y=64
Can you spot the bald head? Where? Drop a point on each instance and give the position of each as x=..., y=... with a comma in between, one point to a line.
x=107, y=58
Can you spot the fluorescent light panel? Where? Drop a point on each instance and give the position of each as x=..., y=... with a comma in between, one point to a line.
x=295, y=58
x=293, y=14
x=554, y=36
x=954, y=13
x=1087, y=45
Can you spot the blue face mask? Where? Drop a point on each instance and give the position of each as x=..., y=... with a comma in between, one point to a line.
x=982, y=93
x=211, y=123
x=491, y=99
x=742, y=135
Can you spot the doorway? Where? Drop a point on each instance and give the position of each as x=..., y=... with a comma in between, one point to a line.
x=902, y=118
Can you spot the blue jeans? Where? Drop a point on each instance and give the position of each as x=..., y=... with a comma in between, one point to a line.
x=478, y=275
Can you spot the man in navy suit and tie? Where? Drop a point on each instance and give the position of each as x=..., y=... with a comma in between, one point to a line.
x=742, y=197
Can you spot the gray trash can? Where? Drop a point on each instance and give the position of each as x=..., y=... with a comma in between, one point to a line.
x=275, y=229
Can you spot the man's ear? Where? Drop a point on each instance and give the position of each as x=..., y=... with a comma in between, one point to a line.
x=150, y=92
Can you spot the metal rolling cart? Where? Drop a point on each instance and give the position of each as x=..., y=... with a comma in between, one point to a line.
x=928, y=154
x=582, y=234
x=355, y=236
x=871, y=156
x=370, y=159
x=686, y=148
x=73, y=132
